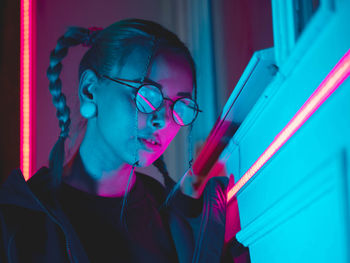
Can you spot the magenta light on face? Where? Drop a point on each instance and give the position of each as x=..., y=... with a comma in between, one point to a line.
x=27, y=82
x=336, y=77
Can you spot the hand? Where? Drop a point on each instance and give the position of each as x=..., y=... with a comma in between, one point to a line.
x=192, y=185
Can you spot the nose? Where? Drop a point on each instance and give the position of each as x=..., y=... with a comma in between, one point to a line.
x=160, y=117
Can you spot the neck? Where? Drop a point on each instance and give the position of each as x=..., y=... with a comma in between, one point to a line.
x=106, y=175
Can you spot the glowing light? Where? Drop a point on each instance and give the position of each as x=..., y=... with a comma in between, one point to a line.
x=147, y=101
x=178, y=118
x=334, y=79
x=26, y=85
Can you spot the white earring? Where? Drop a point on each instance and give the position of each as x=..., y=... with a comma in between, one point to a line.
x=88, y=110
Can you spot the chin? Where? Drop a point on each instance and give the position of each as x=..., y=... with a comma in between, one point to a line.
x=147, y=160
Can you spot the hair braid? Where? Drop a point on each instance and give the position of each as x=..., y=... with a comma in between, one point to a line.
x=161, y=166
x=74, y=36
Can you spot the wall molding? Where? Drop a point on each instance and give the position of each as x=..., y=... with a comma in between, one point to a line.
x=314, y=186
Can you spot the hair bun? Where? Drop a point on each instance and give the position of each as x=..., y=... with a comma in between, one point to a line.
x=89, y=40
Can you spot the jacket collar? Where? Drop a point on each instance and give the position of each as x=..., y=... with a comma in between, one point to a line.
x=16, y=191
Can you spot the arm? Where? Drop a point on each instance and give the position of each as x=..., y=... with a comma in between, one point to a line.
x=204, y=236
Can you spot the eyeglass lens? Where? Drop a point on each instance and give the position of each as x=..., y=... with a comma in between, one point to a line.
x=184, y=111
x=149, y=98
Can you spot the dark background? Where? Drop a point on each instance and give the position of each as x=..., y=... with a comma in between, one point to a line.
x=239, y=29
x=9, y=85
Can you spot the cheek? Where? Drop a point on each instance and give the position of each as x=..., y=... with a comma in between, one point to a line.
x=142, y=120
x=116, y=117
x=170, y=132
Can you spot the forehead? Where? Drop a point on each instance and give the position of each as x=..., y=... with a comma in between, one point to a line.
x=135, y=64
x=172, y=71
x=169, y=69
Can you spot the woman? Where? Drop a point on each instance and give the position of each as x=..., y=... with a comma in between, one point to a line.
x=135, y=90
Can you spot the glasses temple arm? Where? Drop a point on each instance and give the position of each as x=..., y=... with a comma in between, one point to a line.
x=120, y=82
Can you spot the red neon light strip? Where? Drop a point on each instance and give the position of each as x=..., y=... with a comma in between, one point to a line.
x=336, y=77
x=147, y=101
x=26, y=86
x=178, y=118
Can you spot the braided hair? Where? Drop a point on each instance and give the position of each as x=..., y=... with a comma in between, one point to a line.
x=106, y=48
x=74, y=36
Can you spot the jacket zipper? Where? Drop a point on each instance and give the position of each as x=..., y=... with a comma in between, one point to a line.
x=8, y=248
x=202, y=229
x=53, y=218
x=65, y=235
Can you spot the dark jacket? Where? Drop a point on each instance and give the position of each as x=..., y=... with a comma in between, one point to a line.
x=35, y=229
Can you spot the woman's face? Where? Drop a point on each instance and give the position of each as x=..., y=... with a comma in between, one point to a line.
x=124, y=131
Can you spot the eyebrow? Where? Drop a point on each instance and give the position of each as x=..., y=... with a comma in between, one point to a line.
x=148, y=80
x=184, y=94
x=181, y=93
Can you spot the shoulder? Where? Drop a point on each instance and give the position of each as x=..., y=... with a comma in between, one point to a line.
x=18, y=192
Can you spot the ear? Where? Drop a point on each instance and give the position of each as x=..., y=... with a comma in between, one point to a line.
x=87, y=86
x=87, y=94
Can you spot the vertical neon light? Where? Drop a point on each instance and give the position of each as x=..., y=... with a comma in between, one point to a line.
x=334, y=79
x=27, y=82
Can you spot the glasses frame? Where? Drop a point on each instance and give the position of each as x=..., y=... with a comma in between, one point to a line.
x=122, y=82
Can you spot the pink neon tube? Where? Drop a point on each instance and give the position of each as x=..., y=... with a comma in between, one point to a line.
x=334, y=79
x=27, y=80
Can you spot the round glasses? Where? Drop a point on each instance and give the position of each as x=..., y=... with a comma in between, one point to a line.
x=149, y=98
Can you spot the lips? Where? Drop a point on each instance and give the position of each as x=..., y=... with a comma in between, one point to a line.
x=151, y=142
